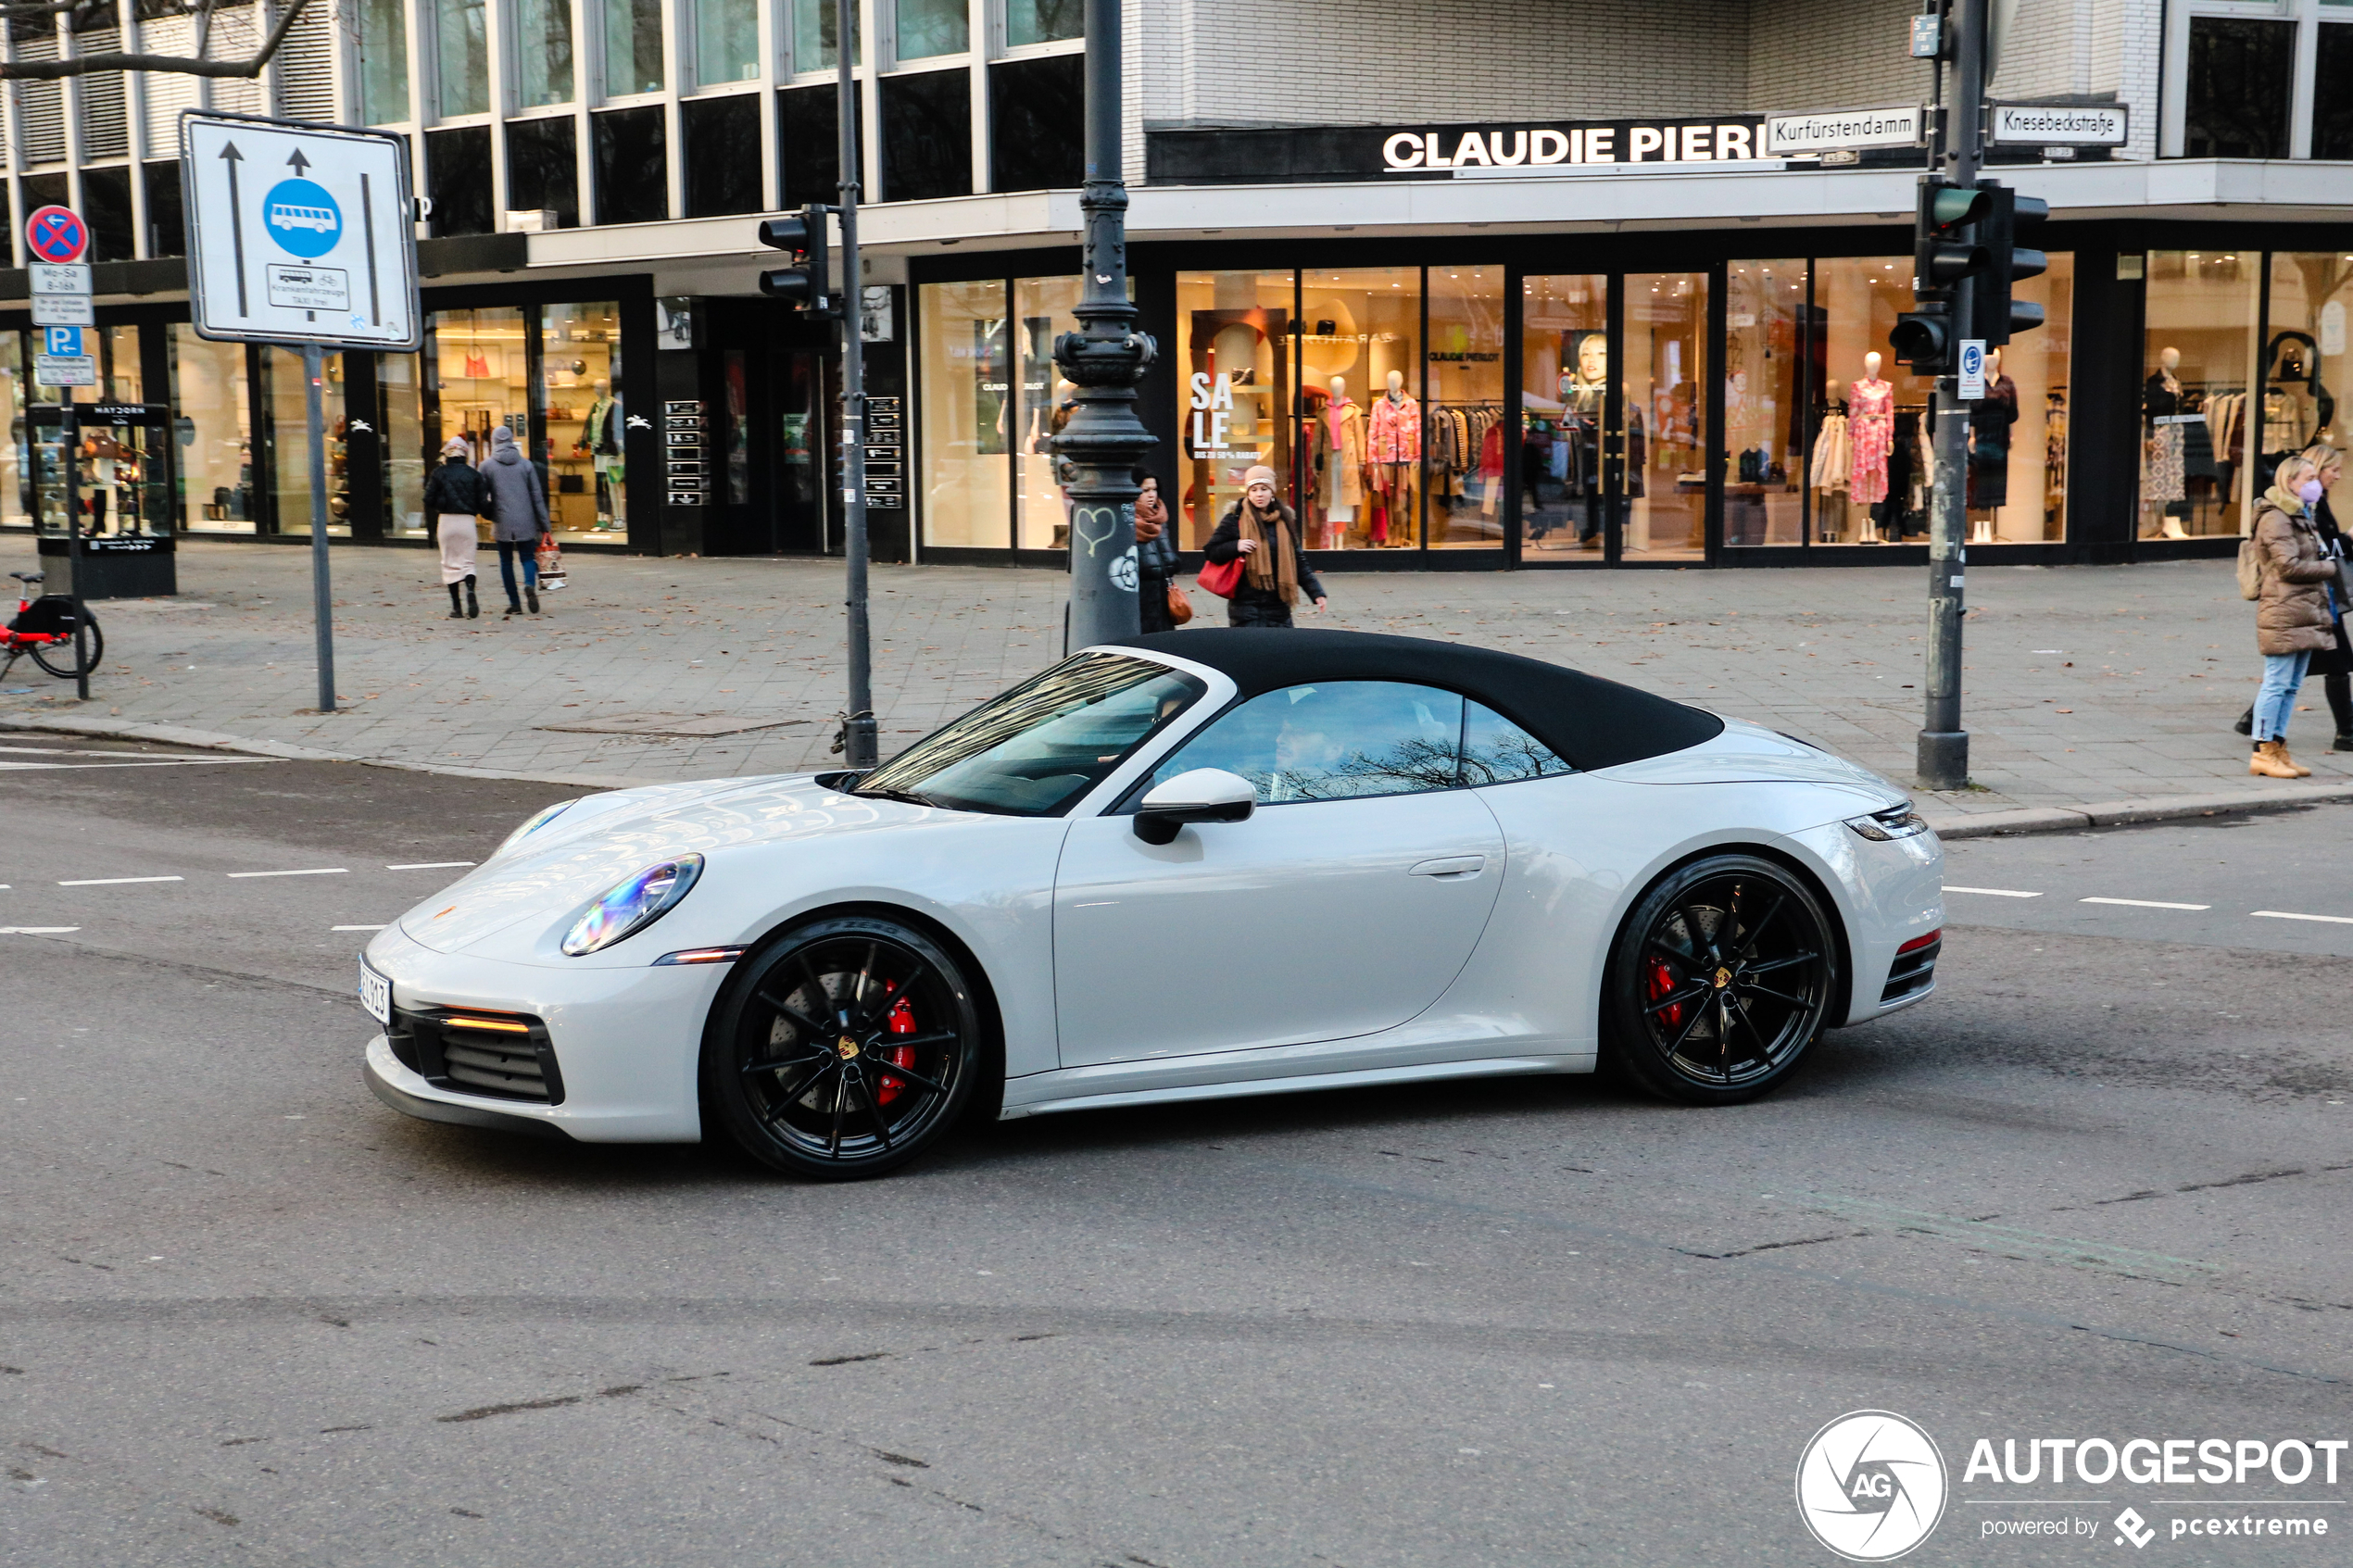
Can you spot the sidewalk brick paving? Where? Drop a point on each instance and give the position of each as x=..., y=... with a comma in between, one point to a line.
x=2082, y=684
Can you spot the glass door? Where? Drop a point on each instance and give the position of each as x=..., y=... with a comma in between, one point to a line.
x=1664, y=382
x=1569, y=422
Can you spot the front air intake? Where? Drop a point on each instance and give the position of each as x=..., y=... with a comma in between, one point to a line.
x=476, y=1051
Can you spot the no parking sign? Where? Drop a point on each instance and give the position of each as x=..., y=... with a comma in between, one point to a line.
x=57, y=234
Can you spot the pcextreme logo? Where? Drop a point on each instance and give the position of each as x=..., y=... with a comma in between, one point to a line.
x=1870, y=1486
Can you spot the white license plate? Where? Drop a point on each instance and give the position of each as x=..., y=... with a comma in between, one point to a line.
x=375, y=994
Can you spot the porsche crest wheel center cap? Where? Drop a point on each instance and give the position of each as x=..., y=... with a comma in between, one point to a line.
x=1723, y=978
x=846, y=1047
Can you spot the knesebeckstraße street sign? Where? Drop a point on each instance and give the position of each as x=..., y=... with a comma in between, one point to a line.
x=304, y=235
x=299, y=233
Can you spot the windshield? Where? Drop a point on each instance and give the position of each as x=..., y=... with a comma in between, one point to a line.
x=1039, y=747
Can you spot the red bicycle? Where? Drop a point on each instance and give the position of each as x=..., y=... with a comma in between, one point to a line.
x=44, y=628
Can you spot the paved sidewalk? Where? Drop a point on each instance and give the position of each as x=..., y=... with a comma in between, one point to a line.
x=2084, y=683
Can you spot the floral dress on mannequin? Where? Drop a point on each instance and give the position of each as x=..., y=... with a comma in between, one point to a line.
x=1870, y=425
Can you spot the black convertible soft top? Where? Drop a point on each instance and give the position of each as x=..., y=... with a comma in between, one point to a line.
x=1589, y=721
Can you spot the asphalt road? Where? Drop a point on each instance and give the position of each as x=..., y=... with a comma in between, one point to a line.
x=2096, y=1187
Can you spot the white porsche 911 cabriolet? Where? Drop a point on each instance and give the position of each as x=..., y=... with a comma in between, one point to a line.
x=1196, y=864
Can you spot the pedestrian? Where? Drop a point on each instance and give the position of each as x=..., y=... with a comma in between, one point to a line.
x=2293, y=618
x=1264, y=534
x=519, y=516
x=1156, y=559
x=454, y=495
x=2333, y=664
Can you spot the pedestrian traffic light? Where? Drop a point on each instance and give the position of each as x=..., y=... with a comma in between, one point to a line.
x=2007, y=215
x=1945, y=254
x=804, y=282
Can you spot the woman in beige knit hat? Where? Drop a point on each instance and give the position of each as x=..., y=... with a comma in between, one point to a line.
x=1264, y=534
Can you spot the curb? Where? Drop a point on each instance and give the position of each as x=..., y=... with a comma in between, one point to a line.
x=2119, y=813
x=213, y=740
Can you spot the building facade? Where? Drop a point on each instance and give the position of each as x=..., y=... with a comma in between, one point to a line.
x=1519, y=283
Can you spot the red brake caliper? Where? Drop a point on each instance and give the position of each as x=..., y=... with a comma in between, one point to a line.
x=1662, y=983
x=903, y=1021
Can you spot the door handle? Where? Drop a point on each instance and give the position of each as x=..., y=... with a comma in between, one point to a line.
x=1451, y=866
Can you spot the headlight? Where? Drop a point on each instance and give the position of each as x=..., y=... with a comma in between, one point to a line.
x=633, y=905
x=538, y=820
x=1896, y=821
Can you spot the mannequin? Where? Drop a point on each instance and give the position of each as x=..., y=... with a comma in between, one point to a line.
x=1870, y=407
x=1395, y=450
x=1833, y=464
x=1990, y=419
x=2163, y=478
x=1338, y=449
x=1584, y=403
x=601, y=436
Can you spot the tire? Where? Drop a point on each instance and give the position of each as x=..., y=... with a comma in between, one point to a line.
x=1719, y=981
x=62, y=653
x=844, y=1049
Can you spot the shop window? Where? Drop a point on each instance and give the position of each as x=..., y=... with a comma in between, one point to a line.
x=13, y=496
x=2241, y=82
x=287, y=420
x=633, y=173
x=1871, y=472
x=632, y=47
x=1564, y=405
x=930, y=28
x=1234, y=373
x=2202, y=425
x=462, y=56
x=105, y=207
x=808, y=146
x=1666, y=377
x=1360, y=359
x=814, y=30
x=383, y=62
x=1038, y=123
x=2305, y=368
x=967, y=414
x=1764, y=418
x=1043, y=309
x=543, y=52
x=2332, y=104
x=477, y=378
x=723, y=155
x=580, y=411
x=2018, y=433
x=726, y=42
x=458, y=179
x=927, y=135
x=400, y=441
x=1468, y=475
x=1043, y=21
x=543, y=168
x=121, y=376
x=166, y=231
x=214, y=426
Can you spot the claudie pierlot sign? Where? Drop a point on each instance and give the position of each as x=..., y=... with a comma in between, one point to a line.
x=1285, y=155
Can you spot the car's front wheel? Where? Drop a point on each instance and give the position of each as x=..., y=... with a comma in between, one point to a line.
x=1721, y=979
x=845, y=1047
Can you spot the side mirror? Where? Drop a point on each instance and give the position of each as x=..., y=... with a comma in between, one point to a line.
x=1205, y=795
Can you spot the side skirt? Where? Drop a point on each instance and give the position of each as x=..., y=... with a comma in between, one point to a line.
x=1040, y=1097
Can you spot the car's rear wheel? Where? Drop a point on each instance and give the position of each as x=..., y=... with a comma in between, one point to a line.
x=844, y=1049
x=1721, y=979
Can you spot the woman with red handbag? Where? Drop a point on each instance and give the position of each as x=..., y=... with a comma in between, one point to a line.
x=1261, y=535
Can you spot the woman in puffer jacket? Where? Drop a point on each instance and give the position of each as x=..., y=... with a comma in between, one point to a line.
x=2293, y=616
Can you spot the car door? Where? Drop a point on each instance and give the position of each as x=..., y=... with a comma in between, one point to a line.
x=1345, y=905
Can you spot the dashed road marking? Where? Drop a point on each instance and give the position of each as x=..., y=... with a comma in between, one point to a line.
x=2283, y=914
x=37, y=930
x=1993, y=892
x=2144, y=904
x=118, y=881
x=314, y=871
x=430, y=866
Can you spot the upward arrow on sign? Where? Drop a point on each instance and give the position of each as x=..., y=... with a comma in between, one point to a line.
x=237, y=222
x=299, y=162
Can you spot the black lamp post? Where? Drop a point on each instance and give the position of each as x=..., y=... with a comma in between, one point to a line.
x=1097, y=450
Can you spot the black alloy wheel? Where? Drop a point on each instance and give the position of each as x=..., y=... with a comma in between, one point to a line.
x=1721, y=980
x=843, y=1049
x=58, y=657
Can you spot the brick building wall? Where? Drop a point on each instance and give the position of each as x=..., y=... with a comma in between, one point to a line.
x=1803, y=56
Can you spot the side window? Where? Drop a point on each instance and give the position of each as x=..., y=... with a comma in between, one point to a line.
x=1332, y=742
x=1495, y=751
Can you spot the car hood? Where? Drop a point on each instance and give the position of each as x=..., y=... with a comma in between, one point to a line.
x=604, y=838
x=1747, y=753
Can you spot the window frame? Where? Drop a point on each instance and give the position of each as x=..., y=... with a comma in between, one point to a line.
x=2307, y=16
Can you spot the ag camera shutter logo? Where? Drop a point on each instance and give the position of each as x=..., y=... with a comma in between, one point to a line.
x=1871, y=1485
x=302, y=218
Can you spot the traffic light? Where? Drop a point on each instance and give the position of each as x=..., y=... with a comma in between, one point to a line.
x=804, y=282
x=1945, y=253
x=2009, y=214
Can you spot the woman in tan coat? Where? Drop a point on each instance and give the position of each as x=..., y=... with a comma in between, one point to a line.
x=2293, y=618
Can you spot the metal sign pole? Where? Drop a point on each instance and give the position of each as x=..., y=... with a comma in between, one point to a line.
x=314, y=367
x=859, y=741
x=70, y=451
x=1942, y=754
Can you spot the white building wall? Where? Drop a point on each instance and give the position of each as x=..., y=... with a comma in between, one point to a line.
x=2139, y=67
x=2048, y=51
x=1856, y=55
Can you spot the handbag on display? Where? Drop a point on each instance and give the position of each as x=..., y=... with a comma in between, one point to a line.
x=1180, y=608
x=552, y=566
x=1220, y=579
